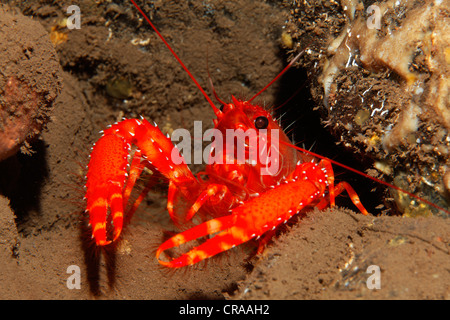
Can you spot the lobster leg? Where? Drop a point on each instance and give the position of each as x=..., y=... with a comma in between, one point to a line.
x=213, y=191
x=333, y=190
x=340, y=187
x=329, y=175
x=219, y=196
x=135, y=171
x=353, y=196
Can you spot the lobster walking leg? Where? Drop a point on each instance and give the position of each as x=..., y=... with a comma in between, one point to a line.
x=353, y=195
x=213, y=191
x=333, y=191
x=135, y=171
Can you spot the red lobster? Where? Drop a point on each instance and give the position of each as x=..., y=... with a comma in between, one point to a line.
x=246, y=205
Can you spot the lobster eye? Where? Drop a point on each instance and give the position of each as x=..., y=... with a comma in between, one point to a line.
x=261, y=122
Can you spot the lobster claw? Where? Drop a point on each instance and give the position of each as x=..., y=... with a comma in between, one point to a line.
x=223, y=241
x=105, y=181
x=109, y=168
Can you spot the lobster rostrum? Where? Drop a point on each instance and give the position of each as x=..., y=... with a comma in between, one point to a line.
x=245, y=203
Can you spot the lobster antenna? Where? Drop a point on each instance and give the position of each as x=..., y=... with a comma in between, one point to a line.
x=211, y=82
x=279, y=75
x=291, y=97
x=368, y=177
x=216, y=110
